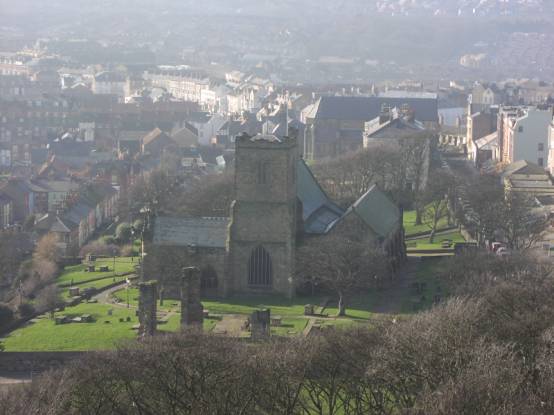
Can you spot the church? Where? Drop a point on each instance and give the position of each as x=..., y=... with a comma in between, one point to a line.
x=278, y=204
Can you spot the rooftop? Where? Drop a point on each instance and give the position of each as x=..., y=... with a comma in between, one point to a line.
x=197, y=232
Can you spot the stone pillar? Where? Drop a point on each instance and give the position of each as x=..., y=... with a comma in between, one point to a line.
x=192, y=311
x=260, y=324
x=148, y=296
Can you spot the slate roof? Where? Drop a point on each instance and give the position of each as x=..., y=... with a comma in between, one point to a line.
x=377, y=211
x=152, y=135
x=368, y=108
x=523, y=167
x=198, y=232
x=319, y=213
x=488, y=142
x=52, y=223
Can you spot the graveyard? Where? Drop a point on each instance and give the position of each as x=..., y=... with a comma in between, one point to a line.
x=111, y=318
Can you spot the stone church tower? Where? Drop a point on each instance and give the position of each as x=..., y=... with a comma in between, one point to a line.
x=262, y=237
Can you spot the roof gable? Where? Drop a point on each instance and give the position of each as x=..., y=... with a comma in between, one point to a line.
x=318, y=211
x=377, y=211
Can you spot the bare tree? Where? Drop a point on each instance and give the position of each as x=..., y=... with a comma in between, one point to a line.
x=436, y=200
x=521, y=224
x=49, y=299
x=341, y=264
x=47, y=248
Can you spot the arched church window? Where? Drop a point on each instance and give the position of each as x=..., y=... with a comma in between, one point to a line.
x=208, y=278
x=260, y=268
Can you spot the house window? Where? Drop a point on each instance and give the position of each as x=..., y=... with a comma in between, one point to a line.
x=541, y=162
x=262, y=172
x=520, y=129
x=541, y=146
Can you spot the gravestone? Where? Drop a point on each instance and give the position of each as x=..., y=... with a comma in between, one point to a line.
x=192, y=311
x=260, y=322
x=148, y=295
x=309, y=310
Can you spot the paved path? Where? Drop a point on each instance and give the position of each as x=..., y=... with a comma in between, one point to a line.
x=231, y=325
x=105, y=296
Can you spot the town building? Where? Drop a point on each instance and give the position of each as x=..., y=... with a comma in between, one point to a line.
x=523, y=134
x=335, y=124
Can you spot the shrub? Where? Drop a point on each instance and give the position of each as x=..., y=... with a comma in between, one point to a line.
x=123, y=232
x=6, y=314
x=26, y=310
x=138, y=224
x=108, y=240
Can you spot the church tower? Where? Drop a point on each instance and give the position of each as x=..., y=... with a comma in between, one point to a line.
x=262, y=237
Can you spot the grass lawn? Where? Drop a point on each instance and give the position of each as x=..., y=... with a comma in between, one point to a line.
x=77, y=273
x=423, y=243
x=410, y=224
x=45, y=335
x=357, y=307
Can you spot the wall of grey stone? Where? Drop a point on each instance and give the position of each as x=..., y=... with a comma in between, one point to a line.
x=18, y=362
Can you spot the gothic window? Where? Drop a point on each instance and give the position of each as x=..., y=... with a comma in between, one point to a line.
x=260, y=269
x=208, y=278
x=262, y=172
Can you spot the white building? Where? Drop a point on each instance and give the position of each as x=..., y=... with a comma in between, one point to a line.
x=112, y=83
x=183, y=85
x=525, y=135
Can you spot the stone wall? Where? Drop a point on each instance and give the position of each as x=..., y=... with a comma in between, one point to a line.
x=166, y=263
x=20, y=362
x=147, y=308
x=192, y=311
x=264, y=212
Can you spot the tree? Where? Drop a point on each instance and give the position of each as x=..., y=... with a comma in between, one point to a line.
x=520, y=223
x=49, y=299
x=436, y=200
x=123, y=232
x=340, y=264
x=47, y=248
x=485, y=196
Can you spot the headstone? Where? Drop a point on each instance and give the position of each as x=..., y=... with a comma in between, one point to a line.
x=74, y=291
x=260, y=324
x=91, y=258
x=91, y=268
x=148, y=296
x=192, y=314
x=309, y=310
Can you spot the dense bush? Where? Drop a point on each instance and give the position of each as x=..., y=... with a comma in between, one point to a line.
x=6, y=315
x=123, y=233
x=26, y=310
x=108, y=240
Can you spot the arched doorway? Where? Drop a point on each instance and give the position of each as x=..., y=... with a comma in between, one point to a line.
x=208, y=280
x=260, y=268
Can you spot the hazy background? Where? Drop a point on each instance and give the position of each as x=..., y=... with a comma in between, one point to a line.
x=419, y=38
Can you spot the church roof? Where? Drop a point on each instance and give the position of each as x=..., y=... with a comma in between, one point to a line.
x=319, y=213
x=197, y=232
x=377, y=211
